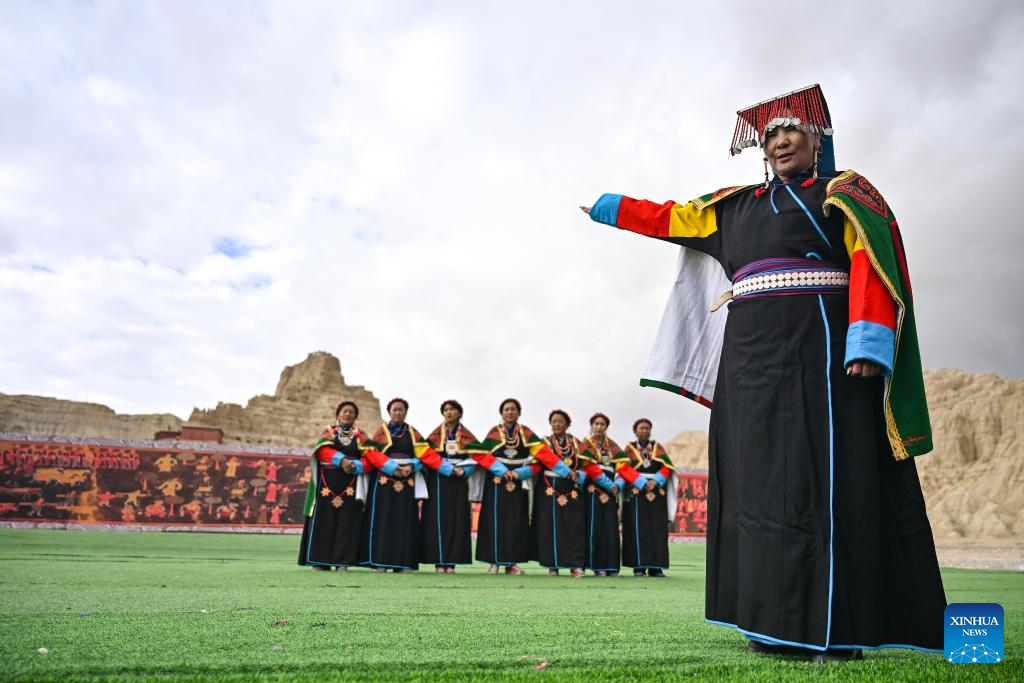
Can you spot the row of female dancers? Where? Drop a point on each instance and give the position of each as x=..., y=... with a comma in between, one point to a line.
x=556, y=500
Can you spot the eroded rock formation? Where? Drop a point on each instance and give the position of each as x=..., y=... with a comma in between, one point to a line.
x=304, y=401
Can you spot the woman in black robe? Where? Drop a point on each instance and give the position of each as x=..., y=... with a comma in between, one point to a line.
x=394, y=457
x=330, y=535
x=601, y=499
x=818, y=538
x=648, y=478
x=512, y=455
x=445, y=522
x=558, y=539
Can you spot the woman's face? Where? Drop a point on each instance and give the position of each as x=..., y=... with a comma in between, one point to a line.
x=347, y=415
x=509, y=413
x=599, y=427
x=397, y=412
x=643, y=431
x=451, y=414
x=558, y=424
x=789, y=151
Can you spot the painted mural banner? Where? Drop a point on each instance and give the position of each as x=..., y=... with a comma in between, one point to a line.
x=110, y=482
x=66, y=481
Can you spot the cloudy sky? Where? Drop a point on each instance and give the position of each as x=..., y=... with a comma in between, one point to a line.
x=194, y=194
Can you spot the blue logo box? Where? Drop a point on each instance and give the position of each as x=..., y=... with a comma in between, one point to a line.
x=974, y=633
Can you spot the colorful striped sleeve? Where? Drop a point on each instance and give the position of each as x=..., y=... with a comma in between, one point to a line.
x=872, y=332
x=547, y=457
x=671, y=221
x=429, y=457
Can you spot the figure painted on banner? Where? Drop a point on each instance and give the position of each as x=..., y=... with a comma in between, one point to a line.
x=513, y=456
x=261, y=469
x=165, y=463
x=231, y=467
x=272, y=469
x=193, y=509
x=170, y=487
x=128, y=513
x=818, y=543
x=601, y=502
x=203, y=466
x=335, y=495
x=205, y=485
x=557, y=530
x=393, y=459
x=445, y=522
x=275, y=515
x=239, y=488
x=155, y=509
x=271, y=495
x=646, y=475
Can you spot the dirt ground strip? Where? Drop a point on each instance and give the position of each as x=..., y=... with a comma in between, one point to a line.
x=982, y=554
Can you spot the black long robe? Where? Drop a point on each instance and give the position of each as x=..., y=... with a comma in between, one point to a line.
x=645, y=523
x=557, y=536
x=603, y=544
x=390, y=538
x=503, y=527
x=816, y=535
x=331, y=532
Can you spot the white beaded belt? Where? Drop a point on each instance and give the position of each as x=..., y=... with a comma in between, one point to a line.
x=785, y=276
x=795, y=281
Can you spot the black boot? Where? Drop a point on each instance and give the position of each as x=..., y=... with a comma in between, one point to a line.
x=656, y=573
x=778, y=650
x=837, y=655
x=639, y=572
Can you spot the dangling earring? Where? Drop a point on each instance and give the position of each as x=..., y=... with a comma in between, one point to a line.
x=764, y=188
x=814, y=175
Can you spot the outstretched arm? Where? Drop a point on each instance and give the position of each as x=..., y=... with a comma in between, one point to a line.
x=682, y=224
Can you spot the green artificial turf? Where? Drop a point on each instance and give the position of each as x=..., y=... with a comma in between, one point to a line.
x=190, y=606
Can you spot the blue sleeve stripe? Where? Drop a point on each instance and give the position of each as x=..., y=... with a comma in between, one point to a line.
x=872, y=342
x=562, y=470
x=604, y=482
x=606, y=209
x=389, y=467
x=498, y=468
x=524, y=472
x=446, y=468
x=620, y=482
x=336, y=460
x=660, y=478
x=640, y=482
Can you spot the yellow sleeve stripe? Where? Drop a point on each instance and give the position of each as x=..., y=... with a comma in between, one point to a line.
x=686, y=220
x=850, y=238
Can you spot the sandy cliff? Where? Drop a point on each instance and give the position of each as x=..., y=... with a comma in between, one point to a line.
x=305, y=399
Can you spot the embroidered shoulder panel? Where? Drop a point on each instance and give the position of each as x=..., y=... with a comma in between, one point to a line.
x=704, y=201
x=856, y=187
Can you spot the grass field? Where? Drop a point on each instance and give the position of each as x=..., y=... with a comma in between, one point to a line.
x=191, y=606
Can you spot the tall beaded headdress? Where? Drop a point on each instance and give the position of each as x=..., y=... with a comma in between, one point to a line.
x=805, y=109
